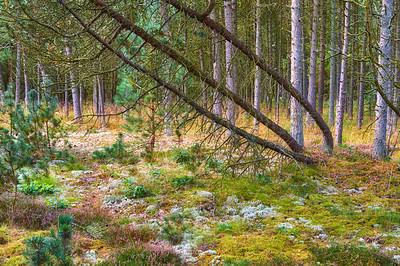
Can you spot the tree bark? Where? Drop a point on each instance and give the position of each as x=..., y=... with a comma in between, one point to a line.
x=74, y=89
x=321, y=74
x=332, y=83
x=379, y=149
x=257, y=79
x=26, y=80
x=296, y=118
x=231, y=76
x=66, y=95
x=167, y=100
x=350, y=99
x=313, y=63
x=361, y=85
x=343, y=78
x=216, y=70
x=396, y=92
x=203, y=84
x=81, y=96
x=100, y=94
x=2, y=85
x=95, y=97
x=18, y=75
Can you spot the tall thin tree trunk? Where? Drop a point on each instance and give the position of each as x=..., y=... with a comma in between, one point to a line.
x=81, y=96
x=95, y=97
x=66, y=95
x=74, y=89
x=203, y=84
x=100, y=94
x=313, y=63
x=2, y=85
x=385, y=44
x=342, y=84
x=332, y=83
x=26, y=80
x=216, y=69
x=350, y=99
x=18, y=75
x=231, y=77
x=296, y=119
x=361, y=85
x=257, y=80
x=321, y=74
x=396, y=92
x=168, y=99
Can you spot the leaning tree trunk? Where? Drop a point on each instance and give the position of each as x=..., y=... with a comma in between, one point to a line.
x=296, y=119
x=250, y=137
x=222, y=89
x=18, y=75
x=342, y=83
x=385, y=44
x=257, y=80
x=332, y=83
x=313, y=63
x=275, y=75
x=231, y=76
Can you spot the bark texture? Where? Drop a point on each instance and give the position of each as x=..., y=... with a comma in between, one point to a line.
x=296, y=117
x=379, y=149
x=342, y=83
x=332, y=83
x=313, y=63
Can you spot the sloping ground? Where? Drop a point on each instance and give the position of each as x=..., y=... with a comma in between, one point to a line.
x=345, y=211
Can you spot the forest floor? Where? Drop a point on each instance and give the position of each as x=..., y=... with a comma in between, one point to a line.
x=343, y=211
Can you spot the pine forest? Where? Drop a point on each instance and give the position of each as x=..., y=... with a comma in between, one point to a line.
x=209, y=132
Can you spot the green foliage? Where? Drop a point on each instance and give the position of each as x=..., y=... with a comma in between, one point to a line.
x=135, y=191
x=58, y=204
x=184, y=156
x=36, y=188
x=28, y=139
x=388, y=219
x=174, y=228
x=182, y=181
x=264, y=179
x=144, y=254
x=224, y=228
x=213, y=164
x=116, y=151
x=230, y=262
x=52, y=249
x=350, y=255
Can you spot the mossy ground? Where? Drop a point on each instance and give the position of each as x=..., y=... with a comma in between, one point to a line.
x=362, y=210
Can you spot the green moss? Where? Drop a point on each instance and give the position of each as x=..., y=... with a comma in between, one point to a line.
x=15, y=261
x=261, y=247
